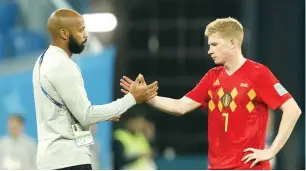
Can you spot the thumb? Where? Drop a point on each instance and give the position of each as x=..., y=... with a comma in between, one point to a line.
x=139, y=79
x=142, y=81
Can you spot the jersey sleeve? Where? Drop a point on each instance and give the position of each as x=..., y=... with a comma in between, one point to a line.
x=200, y=92
x=269, y=89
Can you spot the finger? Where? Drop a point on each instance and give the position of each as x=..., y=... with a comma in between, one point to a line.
x=249, y=149
x=254, y=163
x=127, y=79
x=138, y=79
x=152, y=95
x=252, y=157
x=152, y=90
x=142, y=78
x=124, y=91
x=246, y=156
x=124, y=86
x=143, y=82
x=152, y=85
x=125, y=83
x=116, y=119
x=155, y=87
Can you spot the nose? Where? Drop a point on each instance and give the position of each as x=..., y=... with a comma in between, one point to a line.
x=210, y=51
x=85, y=34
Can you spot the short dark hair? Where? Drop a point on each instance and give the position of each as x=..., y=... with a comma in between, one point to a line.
x=135, y=112
x=17, y=117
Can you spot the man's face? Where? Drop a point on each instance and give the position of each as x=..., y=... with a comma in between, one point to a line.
x=219, y=48
x=78, y=37
x=137, y=124
x=15, y=127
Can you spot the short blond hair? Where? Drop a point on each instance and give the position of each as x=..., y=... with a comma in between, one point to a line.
x=227, y=27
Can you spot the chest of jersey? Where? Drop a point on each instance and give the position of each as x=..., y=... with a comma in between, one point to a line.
x=230, y=94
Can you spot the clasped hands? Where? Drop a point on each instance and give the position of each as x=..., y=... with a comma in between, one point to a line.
x=139, y=89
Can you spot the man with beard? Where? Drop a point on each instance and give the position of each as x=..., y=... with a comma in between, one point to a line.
x=64, y=113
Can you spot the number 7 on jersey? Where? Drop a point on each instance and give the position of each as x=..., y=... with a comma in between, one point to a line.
x=226, y=121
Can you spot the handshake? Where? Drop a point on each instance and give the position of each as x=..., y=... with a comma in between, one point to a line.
x=139, y=89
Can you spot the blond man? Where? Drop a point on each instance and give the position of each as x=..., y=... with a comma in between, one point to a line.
x=238, y=95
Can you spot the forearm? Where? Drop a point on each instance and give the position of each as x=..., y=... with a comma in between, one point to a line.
x=287, y=124
x=99, y=113
x=168, y=105
x=88, y=114
x=70, y=88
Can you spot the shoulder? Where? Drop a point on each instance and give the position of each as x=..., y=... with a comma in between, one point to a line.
x=211, y=75
x=256, y=69
x=4, y=139
x=29, y=142
x=215, y=71
x=56, y=61
x=256, y=65
x=64, y=69
x=28, y=139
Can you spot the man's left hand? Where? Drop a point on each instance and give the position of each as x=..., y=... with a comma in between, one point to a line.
x=257, y=156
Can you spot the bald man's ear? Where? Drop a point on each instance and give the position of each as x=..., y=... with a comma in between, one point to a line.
x=64, y=34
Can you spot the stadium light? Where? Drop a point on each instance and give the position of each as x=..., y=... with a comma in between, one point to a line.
x=100, y=22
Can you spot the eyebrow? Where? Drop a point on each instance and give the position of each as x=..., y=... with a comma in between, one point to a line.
x=213, y=43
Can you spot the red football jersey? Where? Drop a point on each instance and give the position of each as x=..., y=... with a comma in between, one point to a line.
x=238, y=107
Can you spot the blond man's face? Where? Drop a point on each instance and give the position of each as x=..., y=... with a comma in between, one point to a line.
x=219, y=48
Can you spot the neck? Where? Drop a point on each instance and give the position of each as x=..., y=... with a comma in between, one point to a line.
x=234, y=63
x=62, y=46
x=15, y=136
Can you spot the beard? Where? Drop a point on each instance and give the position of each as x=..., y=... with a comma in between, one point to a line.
x=74, y=46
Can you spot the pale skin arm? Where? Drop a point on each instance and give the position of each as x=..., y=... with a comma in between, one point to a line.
x=171, y=106
x=291, y=113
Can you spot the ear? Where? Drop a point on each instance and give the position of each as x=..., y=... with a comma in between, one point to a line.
x=233, y=43
x=64, y=34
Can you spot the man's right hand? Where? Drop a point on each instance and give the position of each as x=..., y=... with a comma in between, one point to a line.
x=143, y=92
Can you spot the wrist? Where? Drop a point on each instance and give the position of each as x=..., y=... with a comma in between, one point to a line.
x=273, y=152
x=152, y=100
x=131, y=99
